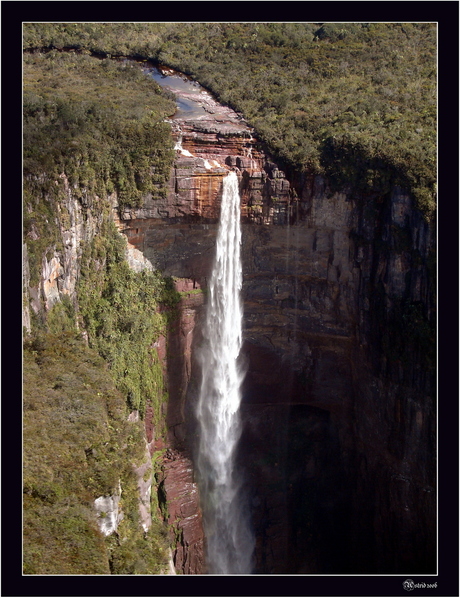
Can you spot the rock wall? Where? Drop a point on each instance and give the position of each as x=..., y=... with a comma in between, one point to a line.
x=183, y=513
x=77, y=225
x=339, y=445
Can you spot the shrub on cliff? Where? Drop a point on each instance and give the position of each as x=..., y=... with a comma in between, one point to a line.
x=120, y=311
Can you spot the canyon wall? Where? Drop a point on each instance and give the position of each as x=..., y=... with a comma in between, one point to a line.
x=339, y=443
x=339, y=440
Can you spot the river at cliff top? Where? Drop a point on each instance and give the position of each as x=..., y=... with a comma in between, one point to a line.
x=189, y=94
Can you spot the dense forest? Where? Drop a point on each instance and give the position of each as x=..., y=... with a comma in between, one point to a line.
x=356, y=102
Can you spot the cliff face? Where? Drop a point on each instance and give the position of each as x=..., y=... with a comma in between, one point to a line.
x=338, y=446
x=77, y=225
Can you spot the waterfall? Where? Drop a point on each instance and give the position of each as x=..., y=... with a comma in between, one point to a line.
x=184, y=152
x=229, y=539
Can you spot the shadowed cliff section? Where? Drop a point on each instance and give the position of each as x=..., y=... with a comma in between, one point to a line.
x=338, y=447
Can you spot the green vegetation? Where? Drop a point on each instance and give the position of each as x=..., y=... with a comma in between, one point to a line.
x=76, y=402
x=80, y=447
x=305, y=88
x=98, y=121
x=121, y=313
x=312, y=91
x=95, y=125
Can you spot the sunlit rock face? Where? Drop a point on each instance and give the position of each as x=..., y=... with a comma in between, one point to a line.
x=338, y=446
x=77, y=226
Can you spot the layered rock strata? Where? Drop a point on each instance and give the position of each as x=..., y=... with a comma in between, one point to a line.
x=178, y=492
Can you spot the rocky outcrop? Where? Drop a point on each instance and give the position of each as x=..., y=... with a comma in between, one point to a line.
x=178, y=491
x=181, y=336
x=109, y=512
x=208, y=144
x=145, y=480
x=25, y=289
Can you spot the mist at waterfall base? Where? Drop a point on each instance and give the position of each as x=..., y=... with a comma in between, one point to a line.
x=229, y=539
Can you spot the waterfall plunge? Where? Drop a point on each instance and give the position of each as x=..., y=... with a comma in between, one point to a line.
x=229, y=540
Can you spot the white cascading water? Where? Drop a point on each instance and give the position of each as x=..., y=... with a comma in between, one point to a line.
x=229, y=539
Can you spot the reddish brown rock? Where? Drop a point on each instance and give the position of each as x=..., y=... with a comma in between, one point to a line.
x=181, y=502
